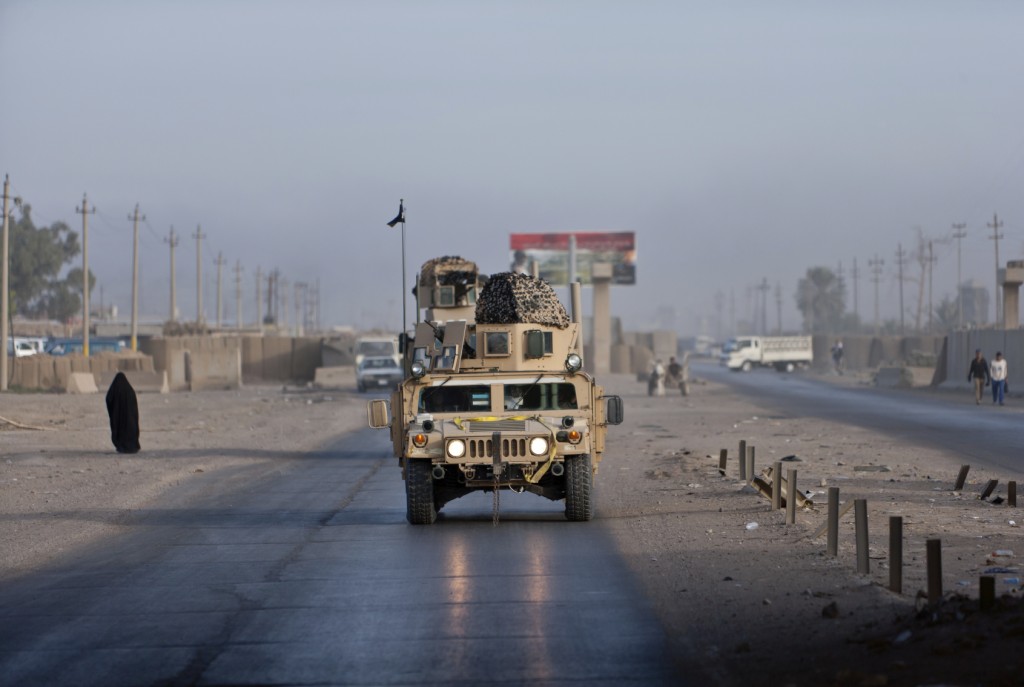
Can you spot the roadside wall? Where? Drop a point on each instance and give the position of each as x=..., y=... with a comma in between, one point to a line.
x=863, y=352
x=51, y=373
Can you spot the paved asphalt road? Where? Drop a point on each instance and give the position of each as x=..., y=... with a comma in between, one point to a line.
x=985, y=435
x=309, y=575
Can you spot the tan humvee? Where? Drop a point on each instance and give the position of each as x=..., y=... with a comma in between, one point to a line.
x=494, y=406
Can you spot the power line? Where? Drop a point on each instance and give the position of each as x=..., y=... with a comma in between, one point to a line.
x=959, y=233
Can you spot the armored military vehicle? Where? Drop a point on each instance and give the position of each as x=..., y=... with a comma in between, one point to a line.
x=495, y=397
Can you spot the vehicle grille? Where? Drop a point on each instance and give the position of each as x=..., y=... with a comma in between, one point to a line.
x=510, y=448
x=496, y=426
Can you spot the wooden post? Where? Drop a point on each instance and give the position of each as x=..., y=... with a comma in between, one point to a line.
x=777, y=486
x=987, y=592
x=791, y=497
x=934, y=547
x=743, y=459
x=896, y=554
x=1011, y=494
x=860, y=519
x=723, y=458
x=989, y=488
x=750, y=463
x=961, y=479
x=832, y=540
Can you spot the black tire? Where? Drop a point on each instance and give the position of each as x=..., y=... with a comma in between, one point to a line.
x=747, y=366
x=419, y=493
x=579, y=482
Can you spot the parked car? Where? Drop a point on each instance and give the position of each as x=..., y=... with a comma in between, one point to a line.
x=69, y=346
x=21, y=346
x=378, y=372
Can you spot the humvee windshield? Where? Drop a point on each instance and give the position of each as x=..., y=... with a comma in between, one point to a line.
x=551, y=396
x=455, y=399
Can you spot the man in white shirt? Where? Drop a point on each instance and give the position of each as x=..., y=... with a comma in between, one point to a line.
x=997, y=371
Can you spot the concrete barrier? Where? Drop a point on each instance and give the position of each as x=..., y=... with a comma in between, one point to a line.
x=335, y=377
x=142, y=382
x=82, y=383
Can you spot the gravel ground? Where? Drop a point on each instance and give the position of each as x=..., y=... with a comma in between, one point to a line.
x=764, y=603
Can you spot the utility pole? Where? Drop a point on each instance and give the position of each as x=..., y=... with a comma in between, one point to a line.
x=931, y=268
x=900, y=259
x=298, y=289
x=282, y=294
x=316, y=307
x=172, y=241
x=5, y=285
x=875, y=267
x=841, y=281
x=85, y=212
x=764, y=289
x=259, y=298
x=719, y=305
x=996, y=224
x=959, y=233
x=732, y=311
x=854, y=274
x=135, y=277
x=199, y=236
x=778, y=305
x=238, y=295
x=219, y=262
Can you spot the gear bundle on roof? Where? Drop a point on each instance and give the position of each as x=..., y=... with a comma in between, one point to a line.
x=511, y=298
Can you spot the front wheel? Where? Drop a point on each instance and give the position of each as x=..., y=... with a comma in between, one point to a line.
x=747, y=366
x=579, y=482
x=419, y=493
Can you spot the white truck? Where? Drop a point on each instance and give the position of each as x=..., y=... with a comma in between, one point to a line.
x=784, y=353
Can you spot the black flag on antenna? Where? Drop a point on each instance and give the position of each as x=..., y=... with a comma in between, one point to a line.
x=400, y=217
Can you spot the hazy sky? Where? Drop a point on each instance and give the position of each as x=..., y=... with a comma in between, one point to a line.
x=739, y=140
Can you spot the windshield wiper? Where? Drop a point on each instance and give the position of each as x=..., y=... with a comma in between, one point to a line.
x=526, y=393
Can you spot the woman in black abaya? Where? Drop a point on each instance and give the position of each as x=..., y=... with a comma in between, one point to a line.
x=123, y=409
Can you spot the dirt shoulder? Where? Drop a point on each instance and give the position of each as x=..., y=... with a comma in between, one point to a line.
x=741, y=589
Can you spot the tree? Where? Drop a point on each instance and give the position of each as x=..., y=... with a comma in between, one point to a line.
x=821, y=298
x=946, y=315
x=37, y=257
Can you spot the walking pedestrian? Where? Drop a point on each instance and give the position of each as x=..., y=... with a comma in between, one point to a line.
x=997, y=371
x=979, y=373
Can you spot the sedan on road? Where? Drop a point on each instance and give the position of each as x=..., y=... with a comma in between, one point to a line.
x=378, y=372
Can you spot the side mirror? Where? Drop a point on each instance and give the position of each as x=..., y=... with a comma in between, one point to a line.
x=614, y=410
x=534, y=343
x=378, y=413
x=403, y=342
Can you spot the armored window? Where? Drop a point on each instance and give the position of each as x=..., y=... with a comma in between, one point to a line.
x=455, y=399
x=496, y=343
x=553, y=396
x=446, y=296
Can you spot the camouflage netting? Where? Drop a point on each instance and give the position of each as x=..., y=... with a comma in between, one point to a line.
x=510, y=298
x=450, y=270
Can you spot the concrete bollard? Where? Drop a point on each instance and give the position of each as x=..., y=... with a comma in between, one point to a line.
x=896, y=554
x=1011, y=494
x=750, y=463
x=777, y=486
x=743, y=460
x=987, y=592
x=934, y=548
x=989, y=488
x=791, y=497
x=961, y=479
x=860, y=519
x=723, y=458
x=832, y=540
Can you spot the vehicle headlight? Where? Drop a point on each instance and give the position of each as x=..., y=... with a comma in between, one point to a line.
x=573, y=362
x=456, y=448
x=418, y=369
x=538, y=446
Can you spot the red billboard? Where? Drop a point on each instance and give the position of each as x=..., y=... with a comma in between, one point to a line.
x=551, y=253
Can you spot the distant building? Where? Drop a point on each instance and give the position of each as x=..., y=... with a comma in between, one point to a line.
x=975, y=303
